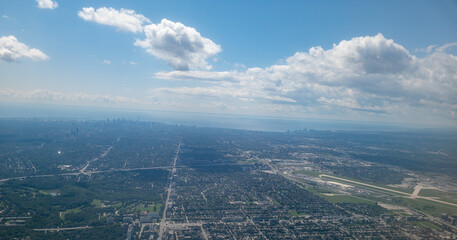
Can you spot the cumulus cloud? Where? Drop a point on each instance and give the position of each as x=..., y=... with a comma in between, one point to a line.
x=48, y=4
x=370, y=74
x=124, y=19
x=181, y=46
x=11, y=50
x=369, y=54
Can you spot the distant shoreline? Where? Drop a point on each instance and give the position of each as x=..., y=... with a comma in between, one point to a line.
x=218, y=120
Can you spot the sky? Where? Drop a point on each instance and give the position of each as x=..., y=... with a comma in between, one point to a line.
x=384, y=61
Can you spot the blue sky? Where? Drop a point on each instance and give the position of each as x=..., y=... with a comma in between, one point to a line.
x=392, y=61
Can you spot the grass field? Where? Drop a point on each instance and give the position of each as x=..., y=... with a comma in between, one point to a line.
x=307, y=172
x=97, y=203
x=432, y=208
x=73, y=210
x=345, y=199
x=445, y=196
x=403, y=190
x=425, y=224
x=293, y=213
x=154, y=207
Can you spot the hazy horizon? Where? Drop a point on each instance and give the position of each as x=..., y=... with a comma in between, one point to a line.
x=233, y=121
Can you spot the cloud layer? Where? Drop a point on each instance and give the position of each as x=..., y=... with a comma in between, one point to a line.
x=47, y=96
x=366, y=75
x=182, y=47
x=11, y=50
x=124, y=19
x=364, y=78
x=47, y=4
x=363, y=74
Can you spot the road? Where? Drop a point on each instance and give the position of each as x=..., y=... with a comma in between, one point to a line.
x=60, y=229
x=101, y=171
x=170, y=185
x=86, y=172
x=83, y=170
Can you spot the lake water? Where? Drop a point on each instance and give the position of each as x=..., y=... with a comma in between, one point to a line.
x=197, y=119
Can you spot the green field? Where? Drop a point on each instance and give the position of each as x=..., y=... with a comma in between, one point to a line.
x=293, y=213
x=137, y=208
x=432, y=208
x=445, y=196
x=425, y=224
x=73, y=210
x=100, y=204
x=307, y=172
x=403, y=190
x=346, y=199
x=97, y=203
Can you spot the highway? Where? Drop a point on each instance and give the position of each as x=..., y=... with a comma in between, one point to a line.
x=170, y=185
x=60, y=229
x=103, y=171
x=83, y=170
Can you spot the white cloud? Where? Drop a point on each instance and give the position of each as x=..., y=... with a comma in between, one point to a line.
x=218, y=92
x=48, y=4
x=370, y=74
x=446, y=46
x=199, y=75
x=428, y=49
x=11, y=50
x=374, y=54
x=133, y=63
x=181, y=46
x=5, y=17
x=124, y=19
x=106, y=61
